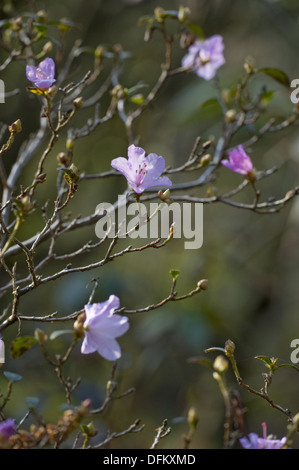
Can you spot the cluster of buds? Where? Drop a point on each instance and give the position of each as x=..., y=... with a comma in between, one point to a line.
x=45, y=434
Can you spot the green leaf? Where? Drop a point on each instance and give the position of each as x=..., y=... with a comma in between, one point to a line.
x=267, y=96
x=210, y=102
x=20, y=345
x=12, y=377
x=195, y=29
x=267, y=360
x=174, y=273
x=202, y=361
x=58, y=333
x=288, y=365
x=277, y=74
x=40, y=28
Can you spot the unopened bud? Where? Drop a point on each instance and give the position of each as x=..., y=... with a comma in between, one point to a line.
x=205, y=159
x=159, y=14
x=164, y=196
x=184, y=14
x=78, y=102
x=40, y=335
x=26, y=205
x=249, y=65
x=229, y=347
x=251, y=176
x=64, y=159
x=48, y=47
x=111, y=387
x=41, y=16
x=203, y=284
x=90, y=430
x=15, y=127
x=230, y=115
x=79, y=325
x=69, y=144
x=192, y=417
x=99, y=51
x=51, y=91
x=220, y=364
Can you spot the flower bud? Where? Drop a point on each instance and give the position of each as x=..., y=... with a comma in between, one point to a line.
x=111, y=387
x=230, y=115
x=48, y=47
x=249, y=65
x=229, y=347
x=159, y=14
x=79, y=325
x=41, y=16
x=78, y=102
x=192, y=417
x=15, y=127
x=164, y=196
x=99, y=51
x=50, y=92
x=205, y=159
x=220, y=364
x=64, y=159
x=69, y=144
x=40, y=336
x=184, y=14
x=203, y=284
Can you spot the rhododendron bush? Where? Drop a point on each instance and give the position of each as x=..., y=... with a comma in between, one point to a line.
x=115, y=333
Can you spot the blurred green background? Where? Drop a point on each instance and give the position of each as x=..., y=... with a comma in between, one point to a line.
x=251, y=261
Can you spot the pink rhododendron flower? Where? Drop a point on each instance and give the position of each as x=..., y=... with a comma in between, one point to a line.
x=205, y=57
x=101, y=327
x=239, y=161
x=142, y=172
x=7, y=428
x=253, y=441
x=43, y=75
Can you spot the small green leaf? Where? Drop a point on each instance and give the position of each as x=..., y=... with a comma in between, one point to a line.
x=202, y=361
x=267, y=360
x=288, y=365
x=40, y=28
x=20, y=345
x=267, y=96
x=12, y=377
x=174, y=273
x=210, y=102
x=277, y=74
x=195, y=29
x=58, y=333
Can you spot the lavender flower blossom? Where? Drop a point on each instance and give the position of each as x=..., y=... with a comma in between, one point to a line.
x=205, y=57
x=101, y=327
x=43, y=75
x=141, y=172
x=7, y=428
x=239, y=161
x=253, y=441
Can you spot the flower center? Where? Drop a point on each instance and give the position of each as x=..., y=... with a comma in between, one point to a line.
x=202, y=60
x=140, y=173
